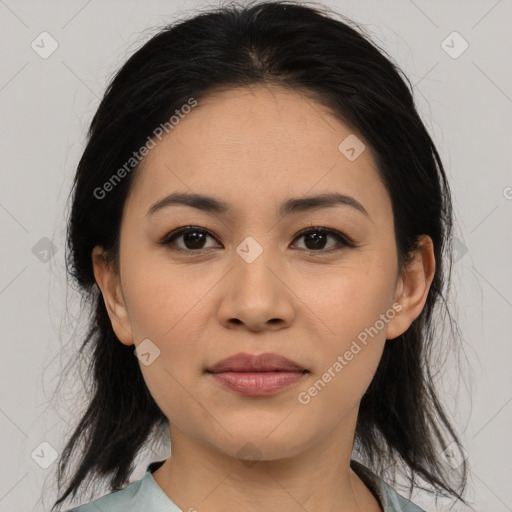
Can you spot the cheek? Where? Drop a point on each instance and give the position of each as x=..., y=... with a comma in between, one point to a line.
x=352, y=298
x=347, y=358
x=355, y=307
x=162, y=299
x=166, y=306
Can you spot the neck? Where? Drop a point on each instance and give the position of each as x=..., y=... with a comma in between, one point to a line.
x=200, y=477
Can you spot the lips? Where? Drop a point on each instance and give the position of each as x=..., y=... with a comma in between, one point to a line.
x=257, y=376
x=268, y=362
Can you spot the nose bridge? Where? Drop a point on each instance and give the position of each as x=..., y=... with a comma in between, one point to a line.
x=253, y=260
x=255, y=293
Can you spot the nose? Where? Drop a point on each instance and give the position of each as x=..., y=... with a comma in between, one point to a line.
x=255, y=296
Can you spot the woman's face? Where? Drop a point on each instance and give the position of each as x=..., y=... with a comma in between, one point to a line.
x=250, y=283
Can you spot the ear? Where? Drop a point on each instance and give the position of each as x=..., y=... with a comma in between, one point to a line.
x=107, y=280
x=412, y=287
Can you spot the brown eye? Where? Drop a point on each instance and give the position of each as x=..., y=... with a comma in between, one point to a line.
x=316, y=239
x=193, y=239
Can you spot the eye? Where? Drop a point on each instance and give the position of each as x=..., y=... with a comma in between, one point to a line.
x=315, y=239
x=193, y=238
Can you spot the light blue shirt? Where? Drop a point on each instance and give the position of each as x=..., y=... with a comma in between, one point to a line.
x=145, y=495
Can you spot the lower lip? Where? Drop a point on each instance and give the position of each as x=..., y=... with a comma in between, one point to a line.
x=258, y=383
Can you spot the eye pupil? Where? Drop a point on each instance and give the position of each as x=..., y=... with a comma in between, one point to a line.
x=193, y=238
x=318, y=238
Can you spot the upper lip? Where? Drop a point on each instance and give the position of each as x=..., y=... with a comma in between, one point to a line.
x=267, y=362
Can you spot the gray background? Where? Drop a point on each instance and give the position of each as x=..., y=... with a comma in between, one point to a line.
x=47, y=103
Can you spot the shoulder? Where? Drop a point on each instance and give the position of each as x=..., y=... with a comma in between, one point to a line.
x=126, y=500
x=389, y=499
x=394, y=502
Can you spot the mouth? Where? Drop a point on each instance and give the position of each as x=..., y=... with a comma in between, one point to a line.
x=257, y=375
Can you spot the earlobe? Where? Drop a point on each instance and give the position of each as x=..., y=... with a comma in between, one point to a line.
x=413, y=287
x=109, y=285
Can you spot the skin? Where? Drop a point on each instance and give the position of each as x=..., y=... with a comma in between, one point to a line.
x=255, y=148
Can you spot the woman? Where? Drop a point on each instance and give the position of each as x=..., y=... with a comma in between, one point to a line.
x=260, y=217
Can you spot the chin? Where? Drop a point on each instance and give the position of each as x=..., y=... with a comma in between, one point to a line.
x=265, y=443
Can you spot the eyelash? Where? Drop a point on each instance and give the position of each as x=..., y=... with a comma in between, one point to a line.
x=168, y=240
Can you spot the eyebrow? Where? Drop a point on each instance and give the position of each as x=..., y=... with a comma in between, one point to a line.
x=291, y=206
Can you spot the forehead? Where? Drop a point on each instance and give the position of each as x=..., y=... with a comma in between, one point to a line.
x=253, y=145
